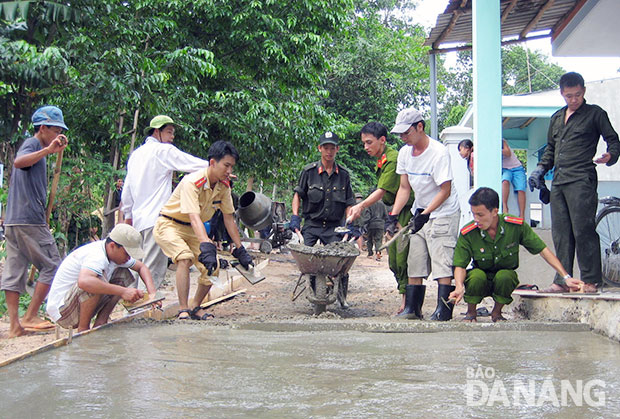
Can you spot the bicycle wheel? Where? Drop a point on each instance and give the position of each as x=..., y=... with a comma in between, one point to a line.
x=608, y=229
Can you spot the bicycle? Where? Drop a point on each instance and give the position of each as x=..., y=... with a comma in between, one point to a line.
x=608, y=228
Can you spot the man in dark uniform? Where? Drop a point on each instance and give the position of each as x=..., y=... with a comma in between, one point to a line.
x=492, y=240
x=324, y=194
x=572, y=139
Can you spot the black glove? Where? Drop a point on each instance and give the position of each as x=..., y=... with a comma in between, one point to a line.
x=208, y=256
x=390, y=224
x=354, y=231
x=544, y=195
x=295, y=223
x=537, y=178
x=244, y=258
x=419, y=220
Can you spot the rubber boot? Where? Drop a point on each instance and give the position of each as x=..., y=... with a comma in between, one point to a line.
x=443, y=312
x=414, y=297
x=342, y=292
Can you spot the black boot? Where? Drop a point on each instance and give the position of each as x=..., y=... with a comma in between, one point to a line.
x=342, y=292
x=414, y=297
x=443, y=312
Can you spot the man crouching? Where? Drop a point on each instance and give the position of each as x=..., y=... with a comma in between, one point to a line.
x=492, y=241
x=93, y=277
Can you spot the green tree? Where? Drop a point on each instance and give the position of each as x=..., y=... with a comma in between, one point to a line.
x=376, y=66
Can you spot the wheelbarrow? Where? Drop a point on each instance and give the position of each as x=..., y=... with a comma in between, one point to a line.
x=322, y=271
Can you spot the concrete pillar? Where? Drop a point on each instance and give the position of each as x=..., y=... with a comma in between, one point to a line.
x=486, y=41
x=433, y=65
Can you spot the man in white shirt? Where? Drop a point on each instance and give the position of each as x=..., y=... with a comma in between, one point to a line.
x=424, y=167
x=148, y=187
x=92, y=279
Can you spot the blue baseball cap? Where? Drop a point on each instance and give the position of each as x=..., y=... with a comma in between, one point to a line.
x=49, y=115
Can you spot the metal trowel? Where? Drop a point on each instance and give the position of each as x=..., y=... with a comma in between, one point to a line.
x=142, y=302
x=253, y=275
x=343, y=228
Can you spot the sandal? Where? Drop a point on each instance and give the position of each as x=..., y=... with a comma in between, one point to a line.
x=528, y=287
x=195, y=316
x=470, y=318
x=187, y=311
x=499, y=318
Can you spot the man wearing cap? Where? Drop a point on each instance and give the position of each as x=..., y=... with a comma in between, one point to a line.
x=148, y=186
x=374, y=138
x=95, y=276
x=424, y=167
x=28, y=238
x=324, y=195
x=180, y=229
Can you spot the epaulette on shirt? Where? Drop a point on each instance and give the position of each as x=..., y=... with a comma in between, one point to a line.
x=226, y=182
x=469, y=228
x=513, y=220
x=310, y=166
x=200, y=182
x=381, y=161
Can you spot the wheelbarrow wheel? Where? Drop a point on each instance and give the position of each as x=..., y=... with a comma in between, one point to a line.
x=319, y=308
x=320, y=289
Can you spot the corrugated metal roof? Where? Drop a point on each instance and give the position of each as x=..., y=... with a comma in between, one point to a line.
x=522, y=17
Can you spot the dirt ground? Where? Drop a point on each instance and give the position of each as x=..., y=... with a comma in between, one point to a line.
x=372, y=294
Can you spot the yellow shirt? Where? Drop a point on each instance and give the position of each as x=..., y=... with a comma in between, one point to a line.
x=194, y=195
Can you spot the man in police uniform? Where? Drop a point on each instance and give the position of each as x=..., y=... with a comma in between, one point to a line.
x=374, y=139
x=180, y=230
x=492, y=240
x=572, y=140
x=325, y=195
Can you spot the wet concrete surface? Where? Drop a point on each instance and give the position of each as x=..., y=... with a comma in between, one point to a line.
x=196, y=370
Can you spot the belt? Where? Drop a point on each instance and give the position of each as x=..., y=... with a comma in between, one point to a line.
x=175, y=220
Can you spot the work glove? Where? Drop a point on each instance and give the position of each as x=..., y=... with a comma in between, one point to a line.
x=537, y=178
x=295, y=223
x=354, y=231
x=544, y=195
x=419, y=220
x=208, y=256
x=243, y=257
x=391, y=224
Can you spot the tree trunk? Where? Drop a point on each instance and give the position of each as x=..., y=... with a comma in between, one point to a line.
x=108, y=215
x=250, y=184
x=135, y=129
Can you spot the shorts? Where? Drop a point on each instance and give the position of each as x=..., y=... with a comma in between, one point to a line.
x=70, y=309
x=515, y=176
x=179, y=242
x=432, y=248
x=26, y=244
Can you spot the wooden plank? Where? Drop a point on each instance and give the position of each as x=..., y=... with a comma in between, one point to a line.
x=508, y=9
x=223, y=298
x=534, y=21
x=571, y=296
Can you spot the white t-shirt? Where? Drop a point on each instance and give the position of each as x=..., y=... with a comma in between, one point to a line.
x=90, y=256
x=148, y=184
x=426, y=173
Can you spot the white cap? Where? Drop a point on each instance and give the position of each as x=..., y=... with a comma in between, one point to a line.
x=129, y=238
x=405, y=119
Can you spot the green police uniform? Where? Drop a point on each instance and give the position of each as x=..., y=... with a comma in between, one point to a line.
x=494, y=260
x=389, y=181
